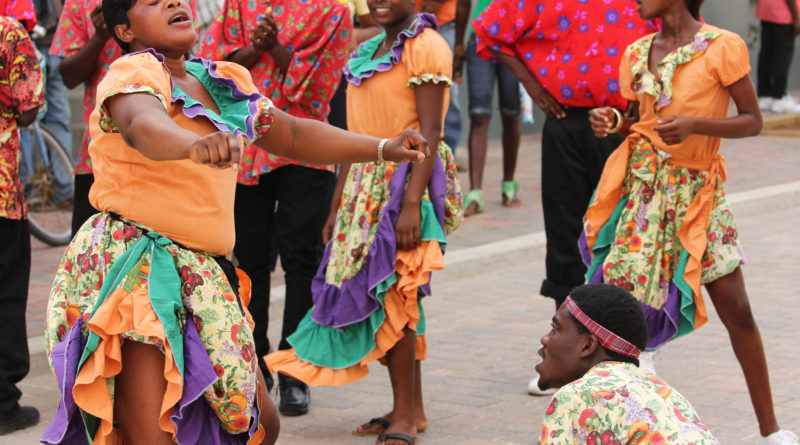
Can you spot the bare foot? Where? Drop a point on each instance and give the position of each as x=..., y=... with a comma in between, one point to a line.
x=375, y=427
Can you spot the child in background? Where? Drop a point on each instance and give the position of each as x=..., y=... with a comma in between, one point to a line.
x=387, y=226
x=146, y=334
x=780, y=25
x=659, y=225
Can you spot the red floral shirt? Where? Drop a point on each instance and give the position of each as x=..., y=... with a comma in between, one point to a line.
x=315, y=32
x=75, y=28
x=21, y=89
x=572, y=47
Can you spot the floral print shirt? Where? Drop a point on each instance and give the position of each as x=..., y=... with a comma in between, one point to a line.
x=618, y=403
x=316, y=33
x=21, y=89
x=572, y=47
x=75, y=28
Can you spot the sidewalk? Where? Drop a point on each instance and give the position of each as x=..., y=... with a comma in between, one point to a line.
x=480, y=354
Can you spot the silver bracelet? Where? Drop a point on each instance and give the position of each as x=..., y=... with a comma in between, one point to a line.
x=380, y=149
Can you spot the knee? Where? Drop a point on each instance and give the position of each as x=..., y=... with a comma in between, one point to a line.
x=739, y=316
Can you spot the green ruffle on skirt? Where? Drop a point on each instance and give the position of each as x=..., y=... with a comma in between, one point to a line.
x=341, y=348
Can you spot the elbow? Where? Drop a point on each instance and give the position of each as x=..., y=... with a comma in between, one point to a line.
x=758, y=124
x=70, y=81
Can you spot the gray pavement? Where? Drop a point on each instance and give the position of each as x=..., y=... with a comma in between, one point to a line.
x=486, y=318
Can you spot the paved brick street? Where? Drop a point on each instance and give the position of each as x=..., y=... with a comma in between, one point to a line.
x=483, y=331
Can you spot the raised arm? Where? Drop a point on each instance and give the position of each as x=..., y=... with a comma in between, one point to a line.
x=78, y=67
x=747, y=122
x=314, y=142
x=145, y=126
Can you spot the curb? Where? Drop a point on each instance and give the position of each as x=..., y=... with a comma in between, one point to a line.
x=524, y=249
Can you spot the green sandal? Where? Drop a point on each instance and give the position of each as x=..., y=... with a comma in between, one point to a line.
x=476, y=196
x=510, y=190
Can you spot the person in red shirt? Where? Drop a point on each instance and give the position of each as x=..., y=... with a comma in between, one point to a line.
x=295, y=52
x=21, y=94
x=566, y=54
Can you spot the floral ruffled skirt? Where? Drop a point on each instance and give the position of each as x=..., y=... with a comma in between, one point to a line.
x=366, y=291
x=118, y=282
x=639, y=250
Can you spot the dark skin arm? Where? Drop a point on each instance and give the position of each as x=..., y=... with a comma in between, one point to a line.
x=145, y=126
x=792, y=4
x=77, y=68
x=263, y=40
x=429, y=99
x=459, y=50
x=431, y=6
x=675, y=129
x=548, y=104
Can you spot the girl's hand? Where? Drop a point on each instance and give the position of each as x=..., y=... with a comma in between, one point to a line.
x=602, y=121
x=220, y=150
x=408, y=227
x=408, y=147
x=327, y=229
x=675, y=129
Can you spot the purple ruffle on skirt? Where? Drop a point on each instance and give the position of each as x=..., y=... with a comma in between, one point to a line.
x=355, y=300
x=194, y=419
x=67, y=426
x=662, y=324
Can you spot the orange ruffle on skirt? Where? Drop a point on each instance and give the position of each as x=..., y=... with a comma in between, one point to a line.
x=413, y=269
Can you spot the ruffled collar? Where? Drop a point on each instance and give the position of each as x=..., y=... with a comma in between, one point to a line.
x=237, y=108
x=644, y=81
x=362, y=65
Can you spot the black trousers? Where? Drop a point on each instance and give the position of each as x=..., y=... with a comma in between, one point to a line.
x=15, y=271
x=572, y=161
x=338, y=114
x=81, y=209
x=774, y=59
x=284, y=213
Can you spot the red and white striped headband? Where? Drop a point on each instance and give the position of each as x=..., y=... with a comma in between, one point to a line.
x=607, y=338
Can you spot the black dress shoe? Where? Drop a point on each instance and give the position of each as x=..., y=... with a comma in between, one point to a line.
x=295, y=396
x=21, y=417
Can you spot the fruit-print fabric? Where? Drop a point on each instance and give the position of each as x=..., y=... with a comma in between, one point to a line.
x=616, y=403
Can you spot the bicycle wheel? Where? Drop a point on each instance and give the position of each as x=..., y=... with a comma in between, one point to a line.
x=48, y=181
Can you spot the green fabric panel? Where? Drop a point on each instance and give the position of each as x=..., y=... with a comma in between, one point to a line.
x=429, y=227
x=604, y=239
x=341, y=348
x=479, y=8
x=688, y=309
x=164, y=288
x=363, y=61
x=235, y=112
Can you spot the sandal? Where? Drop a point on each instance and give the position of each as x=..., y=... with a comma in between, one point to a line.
x=510, y=190
x=473, y=196
x=374, y=421
x=397, y=436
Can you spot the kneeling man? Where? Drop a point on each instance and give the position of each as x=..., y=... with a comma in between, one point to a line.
x=591, y=353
